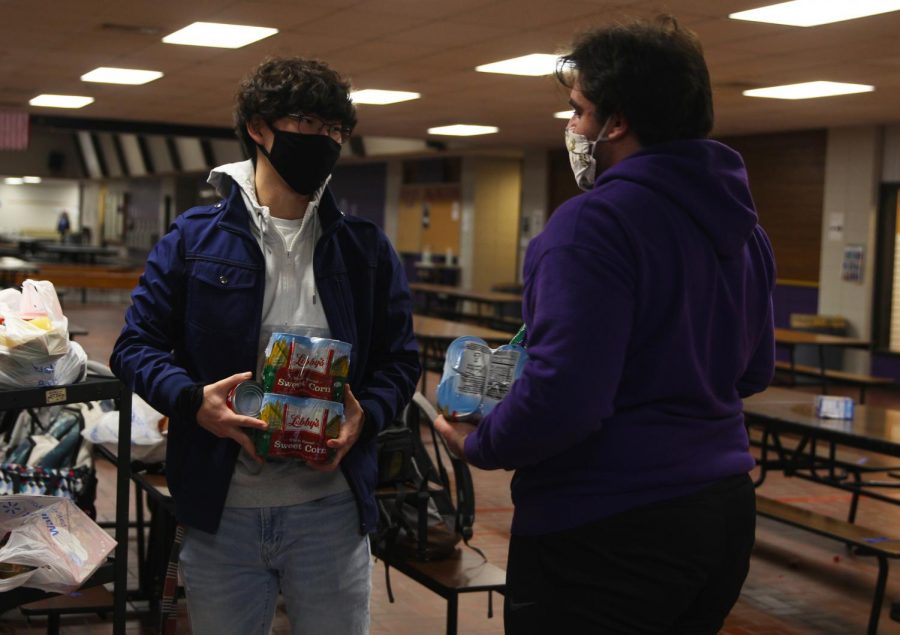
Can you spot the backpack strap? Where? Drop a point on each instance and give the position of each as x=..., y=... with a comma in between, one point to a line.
x=464, y=508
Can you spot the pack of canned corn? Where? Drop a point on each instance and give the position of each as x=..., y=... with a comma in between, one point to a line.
x=300, y=396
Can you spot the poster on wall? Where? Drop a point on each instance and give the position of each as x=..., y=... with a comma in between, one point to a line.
x=836, y=227
x=852, y=266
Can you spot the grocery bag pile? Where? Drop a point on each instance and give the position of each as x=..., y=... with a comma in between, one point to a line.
x=34, y=339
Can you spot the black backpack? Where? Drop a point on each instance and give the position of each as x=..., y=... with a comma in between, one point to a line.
x=424, y=509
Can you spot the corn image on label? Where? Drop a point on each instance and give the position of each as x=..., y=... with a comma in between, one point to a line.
x=298, y=428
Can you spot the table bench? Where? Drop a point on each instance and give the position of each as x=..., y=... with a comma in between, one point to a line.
x=96, y=599
x=86, y=277
x=868, y=542
x=858, y=380
x=463, y=572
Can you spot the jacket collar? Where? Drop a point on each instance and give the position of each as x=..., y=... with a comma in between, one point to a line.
x=235, y=217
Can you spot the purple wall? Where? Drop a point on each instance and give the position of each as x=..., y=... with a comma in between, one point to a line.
x=789, y=299
x=360, y=190
x=886, y=366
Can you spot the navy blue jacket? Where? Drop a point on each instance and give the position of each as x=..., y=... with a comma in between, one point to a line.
x=195, y=319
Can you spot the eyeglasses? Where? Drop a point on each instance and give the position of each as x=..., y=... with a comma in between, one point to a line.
x=310, y=124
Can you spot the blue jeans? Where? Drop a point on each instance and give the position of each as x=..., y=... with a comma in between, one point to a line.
x=312, y=553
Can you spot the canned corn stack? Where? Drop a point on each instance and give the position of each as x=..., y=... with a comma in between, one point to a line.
x=302, y=398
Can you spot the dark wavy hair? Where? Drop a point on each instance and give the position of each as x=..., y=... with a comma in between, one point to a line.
x=286, y=85
x=652, y=73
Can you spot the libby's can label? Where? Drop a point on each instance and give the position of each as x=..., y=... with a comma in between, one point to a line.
x=298, y=428
x=302, y=366
x=246, y=398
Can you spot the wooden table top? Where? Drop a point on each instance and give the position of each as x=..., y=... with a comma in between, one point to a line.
x=437, y=328
x=465, y=294
x=792, y=338
x=88, y=250
x=872, y=428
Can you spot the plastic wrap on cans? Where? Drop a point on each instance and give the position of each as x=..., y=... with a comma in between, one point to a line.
x=246, y=398
x=834, y=407
x=476, y=378
x=303, y=366
x=298, y=427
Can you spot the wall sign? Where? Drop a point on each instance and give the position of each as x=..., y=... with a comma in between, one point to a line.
x=852, y=266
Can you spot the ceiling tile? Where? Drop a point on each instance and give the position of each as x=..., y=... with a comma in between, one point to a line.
x=431, y=47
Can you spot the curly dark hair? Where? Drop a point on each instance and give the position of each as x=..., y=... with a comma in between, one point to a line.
x=652, y=73
x=286, y=85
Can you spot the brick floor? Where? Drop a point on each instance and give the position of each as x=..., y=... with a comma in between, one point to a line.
x=798, y=584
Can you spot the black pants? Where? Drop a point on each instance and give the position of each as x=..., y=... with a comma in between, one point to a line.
x=674, y=567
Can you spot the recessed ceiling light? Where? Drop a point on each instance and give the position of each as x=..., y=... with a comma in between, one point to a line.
x=14, y=180
x=31, y=179
x=463, y=130
x=381, y=97
x=533, y=65
x=564, y=114
x=61, y=101
x=809, y=90
x=816, y=12
x=107, y=75
x=226, y=36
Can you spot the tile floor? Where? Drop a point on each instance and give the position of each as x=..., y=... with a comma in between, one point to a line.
x=798, y=584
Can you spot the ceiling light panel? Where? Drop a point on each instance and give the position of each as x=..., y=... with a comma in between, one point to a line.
x=131, y=76
x=379, y=97
x=463, y=130
x=215, y=34
x=61, y=101
x=564, y=114
x=532, y=65
x=816, y=12
x=809, y=90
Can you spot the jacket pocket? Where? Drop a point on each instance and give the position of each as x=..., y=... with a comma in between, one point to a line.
x=222, y=296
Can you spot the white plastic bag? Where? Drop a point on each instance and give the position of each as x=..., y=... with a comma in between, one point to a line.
x=147, y=442
x=52, y=535
x=33, y=336
x=66, y=369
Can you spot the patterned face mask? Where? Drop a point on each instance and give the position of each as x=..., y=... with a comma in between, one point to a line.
x=581, y=156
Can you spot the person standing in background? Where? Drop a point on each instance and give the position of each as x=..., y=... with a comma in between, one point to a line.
x=274, y=254
x=63, y=226
x=648, y=307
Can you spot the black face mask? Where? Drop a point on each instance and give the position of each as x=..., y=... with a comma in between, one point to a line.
x=304, y=161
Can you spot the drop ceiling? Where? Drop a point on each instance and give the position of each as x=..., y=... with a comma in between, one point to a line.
x=431, y=47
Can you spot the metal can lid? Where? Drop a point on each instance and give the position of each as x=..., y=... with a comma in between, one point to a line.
x=247, y=398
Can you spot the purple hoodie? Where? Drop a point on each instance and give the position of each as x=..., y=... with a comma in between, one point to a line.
x=648, y=302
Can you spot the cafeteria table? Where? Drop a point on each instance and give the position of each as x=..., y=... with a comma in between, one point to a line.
x=800, y=444
x=436, y=294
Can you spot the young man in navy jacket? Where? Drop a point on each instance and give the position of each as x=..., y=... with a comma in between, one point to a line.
x=648, y=309
x=274, y=254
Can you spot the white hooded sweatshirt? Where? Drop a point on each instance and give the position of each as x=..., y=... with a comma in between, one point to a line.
x=291, y=304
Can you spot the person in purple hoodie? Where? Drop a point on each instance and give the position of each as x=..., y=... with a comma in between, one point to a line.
x=648, y=307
